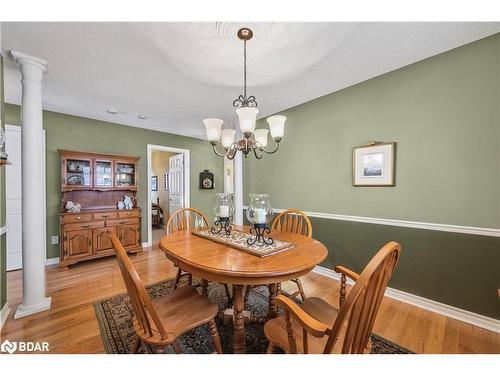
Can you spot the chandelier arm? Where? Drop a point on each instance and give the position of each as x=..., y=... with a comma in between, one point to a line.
x=273, y=151
x=256, y=155
x=215, y=150
x=245, y=68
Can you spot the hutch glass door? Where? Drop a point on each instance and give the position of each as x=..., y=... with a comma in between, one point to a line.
x=103, y=173
x=78, y=173
x=125, y=174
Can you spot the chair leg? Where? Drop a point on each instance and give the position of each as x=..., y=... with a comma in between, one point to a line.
x=177, y=348
x=177, y=278
x=228, y=295
x=215, y=336
x=270, y=349
x=136, y=345
x=190, y=279
x=301, y=289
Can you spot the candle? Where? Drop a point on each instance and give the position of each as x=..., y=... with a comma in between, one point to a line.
x=259, y=215
x=224, y=211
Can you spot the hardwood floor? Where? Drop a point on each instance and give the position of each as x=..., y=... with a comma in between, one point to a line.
x=71, y=327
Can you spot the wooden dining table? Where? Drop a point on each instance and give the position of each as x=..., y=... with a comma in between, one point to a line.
x=214, y=261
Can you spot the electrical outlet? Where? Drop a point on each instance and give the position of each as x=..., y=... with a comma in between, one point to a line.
x=55, y=240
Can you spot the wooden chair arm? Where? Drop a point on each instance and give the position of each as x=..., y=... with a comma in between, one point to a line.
x=346, y=271
x=310, y=324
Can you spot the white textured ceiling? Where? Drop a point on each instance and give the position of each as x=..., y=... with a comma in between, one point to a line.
x=180, y=73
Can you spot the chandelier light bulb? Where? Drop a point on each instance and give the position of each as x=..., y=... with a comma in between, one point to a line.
x=247, y=117
x=213, y=128
x=261, y=137
x=227, y=137
x=277, y=126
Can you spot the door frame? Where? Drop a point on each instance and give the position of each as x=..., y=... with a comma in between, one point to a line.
x=187, y=186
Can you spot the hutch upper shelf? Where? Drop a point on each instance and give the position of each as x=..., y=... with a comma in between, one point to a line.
x=92, y=171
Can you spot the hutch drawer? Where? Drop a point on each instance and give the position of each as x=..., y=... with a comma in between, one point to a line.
x=75, y=218
x=125, y=214
x=104, y=215
x=80, y=226
x=114, y=223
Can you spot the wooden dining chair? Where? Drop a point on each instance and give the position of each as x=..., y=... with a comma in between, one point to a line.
x=293, y=221
x=159, y=322
x=317, y=327
x=186, y=219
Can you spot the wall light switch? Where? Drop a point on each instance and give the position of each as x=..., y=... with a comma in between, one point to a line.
x=55, y=240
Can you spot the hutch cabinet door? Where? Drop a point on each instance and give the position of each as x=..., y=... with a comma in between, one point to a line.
x=128, y=235
x=103, y=173
x=102, y=239
x=77, y=243
x=76, y=173
x=126, y=175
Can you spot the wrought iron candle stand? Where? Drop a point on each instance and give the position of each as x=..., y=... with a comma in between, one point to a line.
x=224, y=224
x=259, y=230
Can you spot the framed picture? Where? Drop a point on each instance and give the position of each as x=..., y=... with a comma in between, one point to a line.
x=154, y=183
x=374, y=164
x=167, y=184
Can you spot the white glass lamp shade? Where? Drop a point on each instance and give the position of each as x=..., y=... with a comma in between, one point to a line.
x=277, y=126
x=247, y=117
x=213, y=127
x=227, y=137
x=261, y=137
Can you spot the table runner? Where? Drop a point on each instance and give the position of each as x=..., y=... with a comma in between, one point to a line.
x=238, y=240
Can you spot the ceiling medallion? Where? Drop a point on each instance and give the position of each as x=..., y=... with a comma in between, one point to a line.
x=253, y=140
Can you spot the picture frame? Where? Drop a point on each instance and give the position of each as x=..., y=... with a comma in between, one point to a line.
x=374, y=164
x=167, y=183
x=154, y=183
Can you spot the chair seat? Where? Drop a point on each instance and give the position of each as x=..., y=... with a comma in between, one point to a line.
x=180, y=311
x=275, y=329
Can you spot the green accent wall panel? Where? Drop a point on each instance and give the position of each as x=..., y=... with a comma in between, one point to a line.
x=457, y=269
x=443, y=112
x=83, y=134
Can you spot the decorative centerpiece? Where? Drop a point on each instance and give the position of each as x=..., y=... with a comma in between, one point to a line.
x=223, y=210
x=73, y=207
x=260, y=213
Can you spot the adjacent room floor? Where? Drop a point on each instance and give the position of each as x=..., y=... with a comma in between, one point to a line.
x=71, y=326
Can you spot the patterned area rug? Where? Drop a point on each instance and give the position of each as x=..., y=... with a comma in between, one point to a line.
x=114, y=316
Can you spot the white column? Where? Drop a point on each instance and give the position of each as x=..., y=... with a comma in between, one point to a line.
x=33, y=197
x=238, y=189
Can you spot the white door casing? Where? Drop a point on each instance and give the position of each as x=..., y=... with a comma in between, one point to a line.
x=176, y=179
x=13, y=195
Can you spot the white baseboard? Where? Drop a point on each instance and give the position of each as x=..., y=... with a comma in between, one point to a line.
x=478, y=320
x=51, y=261
x=147, y=244
x=4, y=314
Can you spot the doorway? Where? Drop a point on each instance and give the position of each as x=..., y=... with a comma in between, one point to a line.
x=168, y=186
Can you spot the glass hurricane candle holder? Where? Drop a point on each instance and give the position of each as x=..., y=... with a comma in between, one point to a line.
x=223, y=211
x=260, y=213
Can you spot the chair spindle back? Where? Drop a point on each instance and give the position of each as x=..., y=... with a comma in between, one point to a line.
x=293, y=221
x=144, y=311
x=362, y=303
x=185, y=219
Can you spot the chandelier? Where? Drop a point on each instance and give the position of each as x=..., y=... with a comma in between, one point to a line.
x=253, y=140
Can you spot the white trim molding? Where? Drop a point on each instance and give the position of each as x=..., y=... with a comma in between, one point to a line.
x=4, y=229
x=491, y=232
x=478, y=320
x=51, y=261
x=4, y=314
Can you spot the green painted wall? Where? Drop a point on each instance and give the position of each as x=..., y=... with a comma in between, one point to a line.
x=444, y=112
x=83, y=134
x=3, y=275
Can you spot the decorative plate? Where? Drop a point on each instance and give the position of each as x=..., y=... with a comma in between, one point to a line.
x=75, y=180
x=125, y=169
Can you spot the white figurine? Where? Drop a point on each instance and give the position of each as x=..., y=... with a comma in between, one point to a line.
x=73, y=207
x=128, y=200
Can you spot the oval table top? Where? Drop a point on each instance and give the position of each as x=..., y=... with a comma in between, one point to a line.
x=217, y=262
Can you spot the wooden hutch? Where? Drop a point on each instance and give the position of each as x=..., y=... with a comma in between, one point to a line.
x=97, y=182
